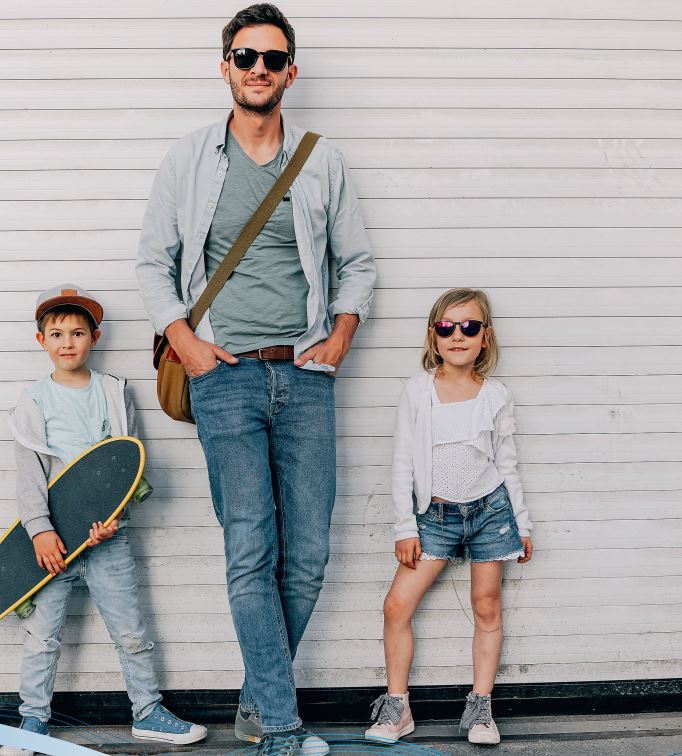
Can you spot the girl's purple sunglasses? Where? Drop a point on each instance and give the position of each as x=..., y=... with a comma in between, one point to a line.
x=445, y=328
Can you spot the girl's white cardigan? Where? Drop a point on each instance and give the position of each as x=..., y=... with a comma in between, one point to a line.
x=412, y=444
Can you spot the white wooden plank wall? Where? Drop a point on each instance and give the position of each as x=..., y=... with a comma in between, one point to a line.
x=533, y=148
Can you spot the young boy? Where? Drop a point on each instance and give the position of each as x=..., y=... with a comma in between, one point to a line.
x=55, y=420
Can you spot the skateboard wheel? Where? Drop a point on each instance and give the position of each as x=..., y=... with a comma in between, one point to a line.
x=25, y=609
x=143, y=490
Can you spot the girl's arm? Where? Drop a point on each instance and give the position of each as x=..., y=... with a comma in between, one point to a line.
x=402, y=475
x=506, y=462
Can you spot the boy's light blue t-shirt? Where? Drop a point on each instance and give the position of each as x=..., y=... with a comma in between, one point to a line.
x=75, y=418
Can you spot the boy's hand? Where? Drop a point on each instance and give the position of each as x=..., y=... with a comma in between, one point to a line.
x=99, y=534
x=408, y=551
x=49, y=550
x=527, y=548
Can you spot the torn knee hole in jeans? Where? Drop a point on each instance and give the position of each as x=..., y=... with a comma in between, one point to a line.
x=135, y=644
x=50, y=644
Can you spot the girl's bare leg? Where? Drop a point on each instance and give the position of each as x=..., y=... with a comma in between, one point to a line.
x=408, y=589
x=486, y=602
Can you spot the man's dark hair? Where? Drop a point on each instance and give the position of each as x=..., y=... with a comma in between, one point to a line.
x=257, y=15
x=61, y=311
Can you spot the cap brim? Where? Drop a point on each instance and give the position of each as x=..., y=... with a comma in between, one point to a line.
x=89, y=305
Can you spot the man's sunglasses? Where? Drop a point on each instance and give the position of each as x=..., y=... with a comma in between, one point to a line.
x=445, y=328
x=245, y=58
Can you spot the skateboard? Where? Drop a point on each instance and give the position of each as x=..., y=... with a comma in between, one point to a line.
x=94, y=487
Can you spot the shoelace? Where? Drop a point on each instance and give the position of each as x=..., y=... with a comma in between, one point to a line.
x=477, y=711
x=387, y=709
x=277, y=746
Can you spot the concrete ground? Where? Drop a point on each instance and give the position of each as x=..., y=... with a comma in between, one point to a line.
x=618, y=735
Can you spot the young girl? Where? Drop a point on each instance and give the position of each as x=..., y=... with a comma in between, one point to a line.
x=454, y=456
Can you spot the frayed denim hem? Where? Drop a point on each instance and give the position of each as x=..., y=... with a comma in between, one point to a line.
x=432, y=558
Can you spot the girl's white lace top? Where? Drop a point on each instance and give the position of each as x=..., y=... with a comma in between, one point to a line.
x=463, y=466
x=484, y=431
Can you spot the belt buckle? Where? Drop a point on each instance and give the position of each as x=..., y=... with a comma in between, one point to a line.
x=260, y=356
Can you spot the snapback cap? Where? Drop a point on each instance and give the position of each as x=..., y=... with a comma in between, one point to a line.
x=69, y=294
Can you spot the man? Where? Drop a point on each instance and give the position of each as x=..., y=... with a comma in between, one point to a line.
x=262, y=361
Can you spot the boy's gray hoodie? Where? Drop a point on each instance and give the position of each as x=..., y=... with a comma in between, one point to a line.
x=37, y=464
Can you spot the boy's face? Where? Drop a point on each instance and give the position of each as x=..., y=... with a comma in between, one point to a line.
x=68, y=341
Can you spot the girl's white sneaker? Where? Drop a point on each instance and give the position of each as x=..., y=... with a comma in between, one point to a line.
x=485, y=734
x=393, y=719
x=478, y=719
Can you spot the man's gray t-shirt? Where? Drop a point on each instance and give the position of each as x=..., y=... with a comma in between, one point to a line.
x=263, y=302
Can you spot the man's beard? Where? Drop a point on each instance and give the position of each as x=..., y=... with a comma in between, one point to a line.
x=262, y=108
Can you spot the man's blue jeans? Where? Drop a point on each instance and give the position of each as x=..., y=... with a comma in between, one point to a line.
x=268, y=434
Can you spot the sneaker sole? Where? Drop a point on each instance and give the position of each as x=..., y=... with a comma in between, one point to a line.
x=484, y=739
x=165, y=737
x=315, y=750
x=377, y=739
x=247, y=738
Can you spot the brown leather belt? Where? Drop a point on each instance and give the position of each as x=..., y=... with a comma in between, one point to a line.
x=279, y=352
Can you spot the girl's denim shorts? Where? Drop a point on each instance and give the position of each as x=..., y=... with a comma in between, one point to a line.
x=485, y=527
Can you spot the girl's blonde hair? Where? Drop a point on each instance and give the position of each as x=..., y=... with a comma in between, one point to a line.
x=486, y=362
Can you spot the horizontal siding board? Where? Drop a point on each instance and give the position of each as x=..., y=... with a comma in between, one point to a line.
x=19, y=305
x=297, y=9
x=549, y=153
x=394, y=362
x=87, y=94
x=417, y=272
x=354, y=450
x=376, y=183
x=449, y=593
x=552, y=506
x=347, y=123
x=192, y=32
x=180, y=657
x=104, y=246
x=379, y=568
x=528, y=391
x=376, y=422
x=367, y=625
x=338, y=63
x=399, y=332
x=395, y=213
x=371, y=676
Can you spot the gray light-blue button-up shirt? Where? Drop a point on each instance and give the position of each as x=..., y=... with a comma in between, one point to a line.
x=327, y=222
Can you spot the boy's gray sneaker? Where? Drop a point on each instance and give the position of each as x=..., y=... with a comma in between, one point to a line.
x=31, y=724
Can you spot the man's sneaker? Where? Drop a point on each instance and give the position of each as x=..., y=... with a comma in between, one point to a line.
x=393, y=719
x=478, y=719
x=297, y=742
x=30, y=724
x=309, y=743
x=247, y=726
x=161, y=725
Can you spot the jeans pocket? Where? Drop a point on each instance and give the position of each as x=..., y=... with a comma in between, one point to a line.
x=197, y=378
x=498, y=500
x=431, y=514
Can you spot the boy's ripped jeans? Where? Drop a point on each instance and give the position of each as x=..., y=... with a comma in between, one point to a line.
x=109, y=572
